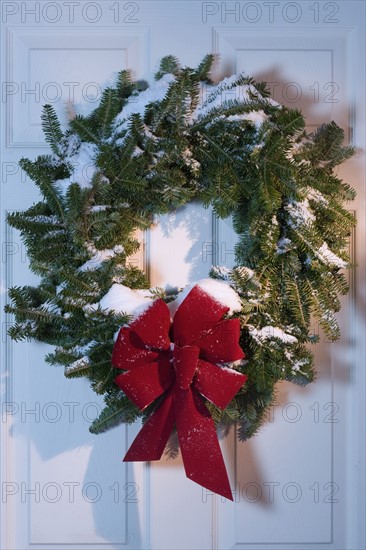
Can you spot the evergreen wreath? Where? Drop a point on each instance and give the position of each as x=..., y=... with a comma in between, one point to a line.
x=150, y=151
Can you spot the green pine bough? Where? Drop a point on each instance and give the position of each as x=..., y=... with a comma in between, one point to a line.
x=147, y=151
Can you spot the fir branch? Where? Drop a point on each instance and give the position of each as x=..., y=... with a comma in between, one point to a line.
x=114, y=414
x=169, y=64
x=203, y=70
x=51, y=128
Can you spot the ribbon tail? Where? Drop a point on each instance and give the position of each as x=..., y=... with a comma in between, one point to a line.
x=201, y=453
x=150, y=442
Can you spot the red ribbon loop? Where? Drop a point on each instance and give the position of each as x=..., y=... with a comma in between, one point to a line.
x=186, y=373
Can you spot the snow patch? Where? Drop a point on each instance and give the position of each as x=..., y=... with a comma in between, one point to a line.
x=138, y=103
x=99, y=208
x=54, y=220
x=327, y=256
x=137, y=152
x=222, y=272
x=54, y=233
x=78, y=364
x=190, y=161
x=81, y=156
x=300, y=213
x=317, y=196
x=101, y=256
x=255, y=117
x=283, y=245
x=297, y=147
x=216, y=98
x=51, y=307
x=269, y=332
x=122, y=299
x=298, y=364
x=221, y=291
x=83, y=165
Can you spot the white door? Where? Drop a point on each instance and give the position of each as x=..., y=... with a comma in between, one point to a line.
x=300, y=483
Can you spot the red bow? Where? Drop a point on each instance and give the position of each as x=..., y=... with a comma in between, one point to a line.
x=180, y=359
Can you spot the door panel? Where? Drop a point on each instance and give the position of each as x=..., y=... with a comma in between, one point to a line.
x=300, y=477
x=65, y=68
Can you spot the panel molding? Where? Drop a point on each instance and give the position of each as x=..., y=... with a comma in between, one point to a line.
x=16, y=450
x=20, y=131
x=228, y=42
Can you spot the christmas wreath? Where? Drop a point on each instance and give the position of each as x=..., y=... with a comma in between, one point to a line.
x=212, y=352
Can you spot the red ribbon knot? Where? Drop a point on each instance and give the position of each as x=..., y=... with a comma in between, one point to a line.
x=179, y=362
